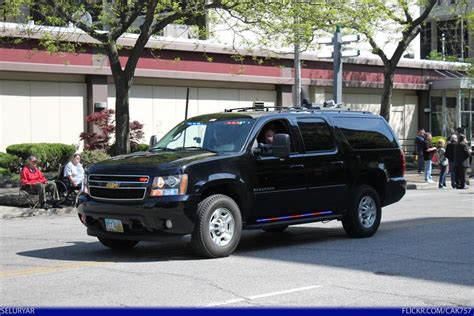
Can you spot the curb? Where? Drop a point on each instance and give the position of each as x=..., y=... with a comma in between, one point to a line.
x=7, y=212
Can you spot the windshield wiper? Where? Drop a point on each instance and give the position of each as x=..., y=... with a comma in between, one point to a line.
x=163, y=148
x=196, y=148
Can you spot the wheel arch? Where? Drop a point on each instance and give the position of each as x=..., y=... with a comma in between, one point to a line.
x=375, y=178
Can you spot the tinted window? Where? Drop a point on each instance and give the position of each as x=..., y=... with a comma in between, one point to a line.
x=211, y=132
x=366, y=133
x=316, y=135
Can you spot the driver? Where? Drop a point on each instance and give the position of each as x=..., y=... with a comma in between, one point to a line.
x=268, y=135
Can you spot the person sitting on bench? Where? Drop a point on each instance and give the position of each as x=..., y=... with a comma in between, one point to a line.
x=33, y=181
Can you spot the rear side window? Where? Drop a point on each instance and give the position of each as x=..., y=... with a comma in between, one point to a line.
x=316, y=134
x=366, y=133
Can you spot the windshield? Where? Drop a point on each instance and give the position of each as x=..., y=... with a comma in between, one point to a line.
x=208, y=133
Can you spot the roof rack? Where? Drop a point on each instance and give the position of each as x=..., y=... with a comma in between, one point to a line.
x=253, y=109
x=324, y=107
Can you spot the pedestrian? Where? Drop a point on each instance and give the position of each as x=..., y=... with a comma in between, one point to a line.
x=419, y=140
x=428, y=151
x=462, y=152
x=451, y=145
x=442, y=163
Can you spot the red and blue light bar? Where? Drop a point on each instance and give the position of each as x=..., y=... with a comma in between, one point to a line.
x=272, y=219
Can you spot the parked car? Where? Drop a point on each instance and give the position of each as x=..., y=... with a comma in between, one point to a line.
x=214, y=175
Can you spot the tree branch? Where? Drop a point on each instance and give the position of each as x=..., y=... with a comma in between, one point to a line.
x=127, y=19
x=145, y=33
x=425, y=13
x=67, y=18
x=377, y=50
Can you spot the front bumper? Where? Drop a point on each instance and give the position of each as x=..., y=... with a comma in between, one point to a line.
x=395, y=190
x=144, y=221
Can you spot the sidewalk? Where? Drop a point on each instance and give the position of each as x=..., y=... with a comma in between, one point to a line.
x=9, y=207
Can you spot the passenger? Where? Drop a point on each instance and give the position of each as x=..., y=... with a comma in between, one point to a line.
x=74, y=171
x=428, y=151
x=33, y=181
x=462, y=152
x=443, y=163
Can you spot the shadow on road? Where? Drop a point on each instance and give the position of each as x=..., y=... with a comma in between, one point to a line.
x=436, y=248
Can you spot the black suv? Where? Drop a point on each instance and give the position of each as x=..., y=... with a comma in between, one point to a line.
x=213, y=175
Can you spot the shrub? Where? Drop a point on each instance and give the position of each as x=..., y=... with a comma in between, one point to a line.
x=4, y=171
x=9, y=162
x=435, y=139
x=105, y=122
x=138, y=147
x=50, y=153
x=89, y=157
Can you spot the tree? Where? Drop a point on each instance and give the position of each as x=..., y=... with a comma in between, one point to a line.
x=368, y=16
x=105, y=123
x=106, y=23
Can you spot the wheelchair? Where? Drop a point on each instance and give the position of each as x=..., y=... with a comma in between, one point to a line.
x=67, y=193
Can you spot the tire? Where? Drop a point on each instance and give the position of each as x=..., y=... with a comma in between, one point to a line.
x=117, y=244
x=223, y=214
x=276, y=229
x=363, y=218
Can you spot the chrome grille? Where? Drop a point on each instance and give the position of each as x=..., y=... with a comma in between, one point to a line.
x=118, y=187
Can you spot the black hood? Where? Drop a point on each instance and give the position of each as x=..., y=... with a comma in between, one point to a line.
x=149, y=163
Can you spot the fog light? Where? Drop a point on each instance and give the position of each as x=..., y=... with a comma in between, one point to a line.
x=168, y=224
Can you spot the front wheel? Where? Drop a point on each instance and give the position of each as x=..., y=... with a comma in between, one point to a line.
x=218, y=227
x=363, y=217
x=117, y=244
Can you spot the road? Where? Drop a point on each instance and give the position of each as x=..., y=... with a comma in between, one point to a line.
x=423, y=254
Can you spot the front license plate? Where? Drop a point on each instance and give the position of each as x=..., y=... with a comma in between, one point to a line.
x=113, y=225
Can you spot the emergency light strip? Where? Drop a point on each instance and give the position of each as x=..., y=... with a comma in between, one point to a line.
x=292, y=216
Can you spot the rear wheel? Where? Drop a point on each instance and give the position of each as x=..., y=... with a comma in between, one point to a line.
x=363, y=218
x=218, y=227
x=276, y=229
x=117, y=244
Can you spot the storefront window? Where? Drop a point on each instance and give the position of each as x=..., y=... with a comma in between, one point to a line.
x=436, y=104
x=436, y=123
x=450, y=112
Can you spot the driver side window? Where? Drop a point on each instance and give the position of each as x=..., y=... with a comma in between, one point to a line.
x=264, y=138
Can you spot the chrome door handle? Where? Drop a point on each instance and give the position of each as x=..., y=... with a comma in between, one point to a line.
x=296, y=166
x=340, y=162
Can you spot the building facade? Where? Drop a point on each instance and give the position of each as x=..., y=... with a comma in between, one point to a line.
x=45, y=97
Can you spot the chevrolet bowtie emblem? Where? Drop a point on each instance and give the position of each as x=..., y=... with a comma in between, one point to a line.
x=112, y=185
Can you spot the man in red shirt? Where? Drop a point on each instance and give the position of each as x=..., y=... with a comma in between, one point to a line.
x=33, y=181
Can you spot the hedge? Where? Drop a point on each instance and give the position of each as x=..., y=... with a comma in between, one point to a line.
x=8, y=161
x=4, y=171
x=52, y=153
x=89, y=157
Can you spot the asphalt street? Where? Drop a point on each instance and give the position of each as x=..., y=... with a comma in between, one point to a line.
x=423, y=254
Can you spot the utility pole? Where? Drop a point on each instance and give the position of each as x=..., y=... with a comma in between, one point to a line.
x=297, y=86
x=337, y=41
x=443, y=46
x=337, y=66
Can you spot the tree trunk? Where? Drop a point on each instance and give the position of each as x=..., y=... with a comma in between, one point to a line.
x=388, y=75
x=122, y=117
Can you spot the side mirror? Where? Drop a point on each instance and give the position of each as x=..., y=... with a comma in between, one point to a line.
x=281, y=146
x=153, y=141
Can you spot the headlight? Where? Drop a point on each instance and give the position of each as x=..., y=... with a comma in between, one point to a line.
x=169, y=185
